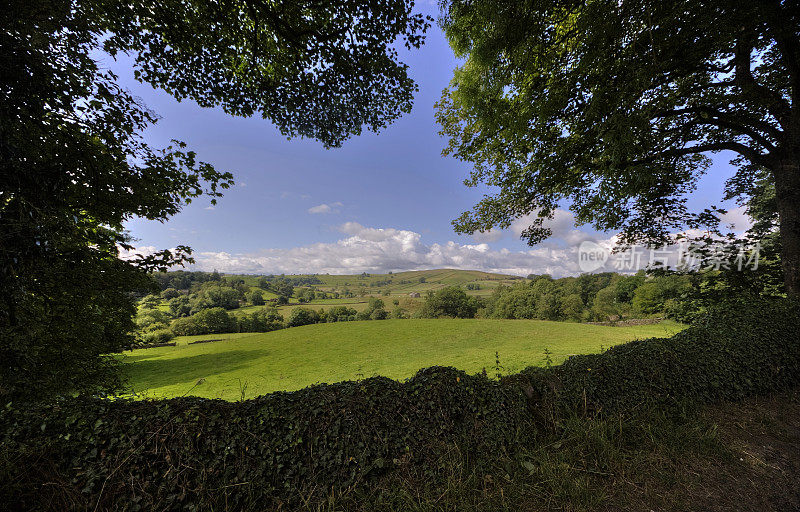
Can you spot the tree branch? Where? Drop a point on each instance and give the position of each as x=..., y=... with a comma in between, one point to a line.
x=774, y=102
x=724, y=120
x=744, y=150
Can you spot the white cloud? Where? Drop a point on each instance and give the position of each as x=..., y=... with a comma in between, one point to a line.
x=380, y=250
x=210, y=207
x=325, y=208
x=562, y=225
x=145, y=250
x=738, y=219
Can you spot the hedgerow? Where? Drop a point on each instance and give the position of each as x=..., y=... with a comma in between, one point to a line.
x=726, y=356
x=284, y=449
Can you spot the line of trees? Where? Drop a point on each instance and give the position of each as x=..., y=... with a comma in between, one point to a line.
x=156, y=326
x=590, y=297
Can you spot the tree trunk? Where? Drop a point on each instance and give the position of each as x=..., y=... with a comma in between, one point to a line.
x=787, y=194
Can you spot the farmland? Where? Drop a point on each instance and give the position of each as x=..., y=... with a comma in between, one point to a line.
x=251, y=364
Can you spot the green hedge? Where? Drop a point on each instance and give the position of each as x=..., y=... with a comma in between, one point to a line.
x=280, y=449
x=729, y=355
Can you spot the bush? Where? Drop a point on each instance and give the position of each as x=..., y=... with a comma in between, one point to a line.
x=159, y=336
x=273, y=451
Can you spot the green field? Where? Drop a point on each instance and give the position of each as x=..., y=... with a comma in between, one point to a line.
x=398, y=285
x=294, y=358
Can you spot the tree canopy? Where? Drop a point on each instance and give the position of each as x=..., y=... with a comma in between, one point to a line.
x=612, y=109
x=74, y=165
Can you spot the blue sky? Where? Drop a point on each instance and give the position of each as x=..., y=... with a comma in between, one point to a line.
x=381, y=202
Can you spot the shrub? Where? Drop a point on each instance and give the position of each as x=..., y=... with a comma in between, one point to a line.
x=728, y=355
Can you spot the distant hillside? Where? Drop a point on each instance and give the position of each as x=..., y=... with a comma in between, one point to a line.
x=402, y=282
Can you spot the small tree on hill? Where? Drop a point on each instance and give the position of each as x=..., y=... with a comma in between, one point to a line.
x=450, y=302
x=256, y=298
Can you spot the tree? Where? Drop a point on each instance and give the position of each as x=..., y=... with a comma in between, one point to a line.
x=150, y=301
x=256, y=298
x=375, y=303
x=180, y=306
x=547, y=307
x=215, y=321
x=302, y=316
x=169, y=293
x=340, y=314
x=212, y=295
x=614, y=107
x=378, y=314
x=186, y=326
x=265, y=320
x=451, y=302
x=74, y=166
x=605, y=306
x=151, y=319
x=652, y=296
x=572, y=307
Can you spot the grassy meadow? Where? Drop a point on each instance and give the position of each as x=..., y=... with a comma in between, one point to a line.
x=251, y=364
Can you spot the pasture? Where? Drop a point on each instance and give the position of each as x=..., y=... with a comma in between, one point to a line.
x=248, y=365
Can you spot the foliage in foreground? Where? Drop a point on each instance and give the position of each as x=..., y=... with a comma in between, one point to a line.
x=286, y=448
x=74, y=166
x=615, y=107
